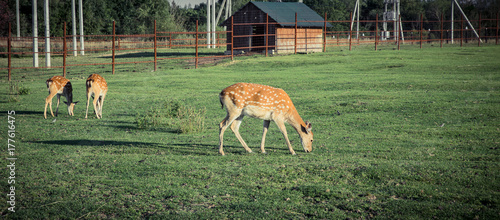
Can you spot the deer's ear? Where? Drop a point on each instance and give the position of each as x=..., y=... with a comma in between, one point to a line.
x=307, y=128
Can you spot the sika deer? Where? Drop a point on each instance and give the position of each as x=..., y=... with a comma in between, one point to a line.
x=266, y=103
x=59, y=85
x=97, y=86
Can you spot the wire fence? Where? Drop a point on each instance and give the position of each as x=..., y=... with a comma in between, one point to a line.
x=266, y=38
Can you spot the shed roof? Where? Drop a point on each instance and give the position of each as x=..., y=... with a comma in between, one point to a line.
x=284, y=14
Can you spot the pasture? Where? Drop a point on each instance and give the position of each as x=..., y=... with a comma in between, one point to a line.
x=410, y=134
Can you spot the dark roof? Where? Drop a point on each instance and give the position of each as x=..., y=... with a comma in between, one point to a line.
x=284, y=14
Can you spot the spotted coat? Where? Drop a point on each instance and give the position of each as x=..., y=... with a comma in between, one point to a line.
x=262, y=102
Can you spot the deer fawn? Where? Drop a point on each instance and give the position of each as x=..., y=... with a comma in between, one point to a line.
x=96, y=86
x=59, y=85
x=266, y=103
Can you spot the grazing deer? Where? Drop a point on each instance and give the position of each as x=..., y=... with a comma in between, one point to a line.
x=59, y=85
x=96, y=86
x=266, y=103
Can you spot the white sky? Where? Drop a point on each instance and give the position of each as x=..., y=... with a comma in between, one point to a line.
x=182, y=3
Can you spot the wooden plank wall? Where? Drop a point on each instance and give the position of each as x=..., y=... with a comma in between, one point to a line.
x=308, y=40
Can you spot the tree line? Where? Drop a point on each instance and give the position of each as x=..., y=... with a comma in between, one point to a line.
x=137, y=16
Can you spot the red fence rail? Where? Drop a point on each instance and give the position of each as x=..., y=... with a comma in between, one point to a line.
x=341, y=35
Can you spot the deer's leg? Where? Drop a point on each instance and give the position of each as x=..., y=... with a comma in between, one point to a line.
x=70, y=112
x=88, y=101
x=264, y=132
x=48, y=101
x=98, y=109
x=95, y=106
x=235, y=127
x=281, y=126
x=57, y=108
x=101, y=104
x=222, y=128
x=45, y=111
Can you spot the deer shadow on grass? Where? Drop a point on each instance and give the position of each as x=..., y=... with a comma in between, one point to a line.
x=174, y=148
x=84, y=142
x=33, y=112
x=200, y=149
x=133, y=127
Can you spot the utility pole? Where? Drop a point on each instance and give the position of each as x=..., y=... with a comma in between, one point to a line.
x=467, y=19
x=18, y=20
x=452, y=12
x=227, y=11
x=209, y=2
x=220, y=11
x=355, y=14
x=213, y=24
x=357, y=25
x=35, y=34
x=46, y=18
x=74, y=27
x=394, y=15
x=82, y=44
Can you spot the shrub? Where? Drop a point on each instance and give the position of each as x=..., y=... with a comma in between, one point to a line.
x=174, y=116
x=23, y=91
x=15, y=91
x=190, y=119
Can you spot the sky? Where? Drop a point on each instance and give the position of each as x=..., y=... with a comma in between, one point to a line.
x=182, y=3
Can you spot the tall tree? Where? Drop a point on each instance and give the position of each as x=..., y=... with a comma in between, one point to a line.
x=5, y=15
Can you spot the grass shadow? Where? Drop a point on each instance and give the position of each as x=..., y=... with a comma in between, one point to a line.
x=134, y=127
x=178, y=149
x=83, y=142
x=29, y=112
x=162, y=54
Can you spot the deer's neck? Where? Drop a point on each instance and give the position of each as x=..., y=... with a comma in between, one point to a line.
x=69, y=97
x=293, y=118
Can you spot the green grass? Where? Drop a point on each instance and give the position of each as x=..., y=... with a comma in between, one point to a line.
x=410, y=134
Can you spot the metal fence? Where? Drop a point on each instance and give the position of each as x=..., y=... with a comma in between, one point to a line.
x=161, y=45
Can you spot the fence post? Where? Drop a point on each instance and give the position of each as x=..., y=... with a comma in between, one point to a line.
x=376, y=31
x=196, y=47
x=170, y=41
x=9, y=51
x=461, y=30
x=65, y=52
x=155, y=48
x=421, y=29
x=479, y=32
x=113, y=50
x=295, y=52
x=496, y=41
x=267, y=32
x=350, y=32
x=232, y=38
x=441, y=37
x=324, y=35
x=398, y=33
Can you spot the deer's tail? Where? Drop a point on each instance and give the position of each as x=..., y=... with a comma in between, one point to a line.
x=221, y=96
x=89, y=82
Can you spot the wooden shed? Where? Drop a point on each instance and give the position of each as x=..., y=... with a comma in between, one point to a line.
x=249, y=24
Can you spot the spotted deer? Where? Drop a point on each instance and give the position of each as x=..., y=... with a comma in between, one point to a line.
x=96, y=87
x=266, y=103
x=59, y=86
